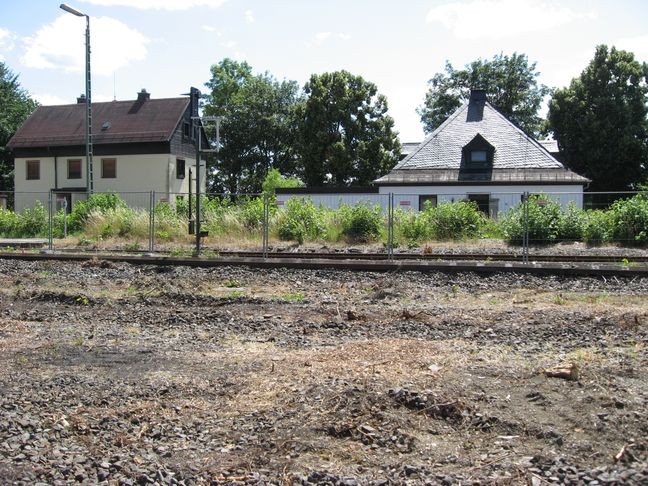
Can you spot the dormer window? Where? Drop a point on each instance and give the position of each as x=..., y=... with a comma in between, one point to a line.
x=477, y=159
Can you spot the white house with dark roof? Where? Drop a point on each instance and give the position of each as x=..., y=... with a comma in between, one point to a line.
x=140, y=145
x=478, y=154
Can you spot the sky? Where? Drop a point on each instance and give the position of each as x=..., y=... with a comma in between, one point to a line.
x=166, y=46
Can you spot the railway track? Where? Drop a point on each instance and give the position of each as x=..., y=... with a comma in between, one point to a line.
x=596, y=266
x=483, y=257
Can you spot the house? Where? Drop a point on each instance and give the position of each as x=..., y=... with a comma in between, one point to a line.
x=479, y=155
x=139, y=146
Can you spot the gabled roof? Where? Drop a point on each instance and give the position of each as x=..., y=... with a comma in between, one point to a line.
x=150, y=120
x=514, y=150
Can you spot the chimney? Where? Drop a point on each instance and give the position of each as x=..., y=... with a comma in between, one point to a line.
x=143, y=95
x=81, y=99
x=476, y=105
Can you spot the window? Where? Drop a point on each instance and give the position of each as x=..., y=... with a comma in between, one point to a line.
x=74, y=169
x=108, y=168
x=33, y=170
x=482, y=200
x=186, y=134
x=478, y=156
x=427, y=200
x=180, y=169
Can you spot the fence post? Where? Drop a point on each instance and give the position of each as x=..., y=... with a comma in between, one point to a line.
x=390, y=227
x=50, y=237
x=266, y=224
x=525, y=223
x=151, y=220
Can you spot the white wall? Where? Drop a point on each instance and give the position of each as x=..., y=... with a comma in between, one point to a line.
x=407, y=197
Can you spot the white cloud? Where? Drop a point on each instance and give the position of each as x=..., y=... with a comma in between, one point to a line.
x=637, y=45
x=229, y=44
x=322, y=37
x=208, y=28
x=6, y=41
x=48, y=99
x=501, y=18
x=249, y=16
x=61, y=45
x=157, y=4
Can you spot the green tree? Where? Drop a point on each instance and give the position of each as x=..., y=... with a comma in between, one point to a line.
x=346, y=136
x=15, y=107
x=258, y=127
x=600, y=121
x=510, y=82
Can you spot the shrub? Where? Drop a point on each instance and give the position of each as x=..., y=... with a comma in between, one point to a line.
x=106, y=223
x=361, y=223
x=542, y=220
x=413, y=226
x=629, y=219
x=28, y=224
x=597, y=227
x=459, y=220
x=570, y=224
x=300, y=220
x=95, y=203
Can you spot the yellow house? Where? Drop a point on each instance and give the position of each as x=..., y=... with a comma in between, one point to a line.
x=139, y=146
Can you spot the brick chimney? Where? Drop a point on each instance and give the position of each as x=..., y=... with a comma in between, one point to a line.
x=81, y=99
x=143, y=95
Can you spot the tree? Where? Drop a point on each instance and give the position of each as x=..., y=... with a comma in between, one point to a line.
x=15, y=107
x=258, y=128
x=600, y=121
x=346, y=136
x=510, y=82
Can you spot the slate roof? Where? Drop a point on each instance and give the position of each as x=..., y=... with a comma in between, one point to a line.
x=515, y=151
x=151, y=120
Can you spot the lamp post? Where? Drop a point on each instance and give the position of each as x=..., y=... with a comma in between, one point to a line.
x=88, y=95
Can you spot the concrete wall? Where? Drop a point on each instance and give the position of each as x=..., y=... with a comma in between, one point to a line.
x=135, y=174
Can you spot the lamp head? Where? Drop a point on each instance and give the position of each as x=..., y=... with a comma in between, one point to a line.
x=71, y=10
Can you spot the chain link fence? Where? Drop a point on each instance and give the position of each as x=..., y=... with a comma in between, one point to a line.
x=520, y=222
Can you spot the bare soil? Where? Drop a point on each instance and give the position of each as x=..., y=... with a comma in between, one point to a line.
x=119, y=374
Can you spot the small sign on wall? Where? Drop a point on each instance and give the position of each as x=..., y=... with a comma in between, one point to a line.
x=405, y=203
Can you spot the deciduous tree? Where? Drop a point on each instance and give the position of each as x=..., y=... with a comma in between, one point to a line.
x=346, y=136
x=600, y=120
x=510, y=82
x=258, y=129
x=15, y=107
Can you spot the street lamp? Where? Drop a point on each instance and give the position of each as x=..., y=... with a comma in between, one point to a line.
x=88, y=95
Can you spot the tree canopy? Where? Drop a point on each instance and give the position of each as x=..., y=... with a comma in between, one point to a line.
x=510, y=82
x=258, y=128
x=600, y=122
x=346, y=136
x=15, y=107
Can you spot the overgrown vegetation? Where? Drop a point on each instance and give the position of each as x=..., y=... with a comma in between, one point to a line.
x=105, y=216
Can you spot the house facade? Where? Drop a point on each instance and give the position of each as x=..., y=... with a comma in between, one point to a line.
x=139, y=146
x=478, y=154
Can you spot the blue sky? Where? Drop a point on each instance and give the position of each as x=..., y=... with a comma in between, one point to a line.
x=165, y=46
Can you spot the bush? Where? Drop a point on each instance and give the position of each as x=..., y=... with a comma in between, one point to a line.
x=543, y=221
x=456, y=221
x=597, y=227
x=629, y=219
x=361, y=223
x=28, y=224
x=300, y=220
x=570, y=224
x=99, y=203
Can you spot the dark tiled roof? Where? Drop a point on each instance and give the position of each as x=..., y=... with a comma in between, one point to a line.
x=513, y=148
x=517, y=156
x=130, y=121
x=496, y=176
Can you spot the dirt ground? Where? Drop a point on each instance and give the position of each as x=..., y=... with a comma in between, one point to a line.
x=120, y=374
